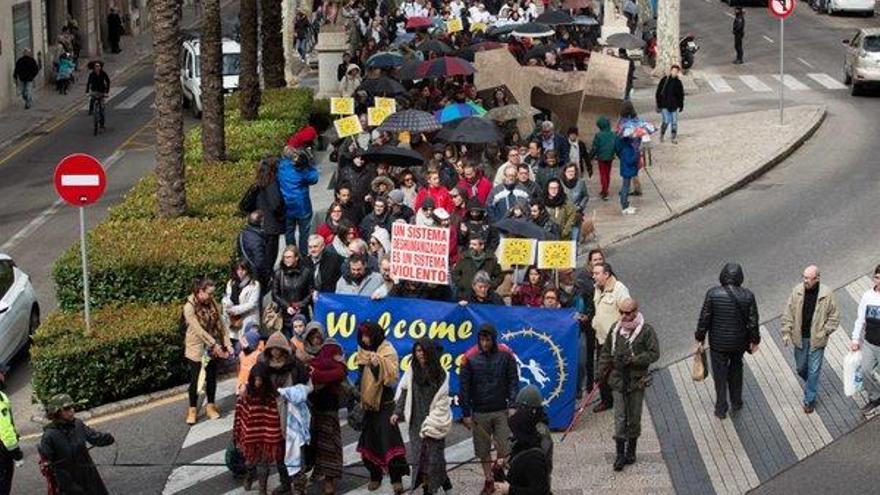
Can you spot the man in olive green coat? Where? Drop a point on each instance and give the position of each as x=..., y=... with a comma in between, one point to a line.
x=809, y=318
x=629, y=350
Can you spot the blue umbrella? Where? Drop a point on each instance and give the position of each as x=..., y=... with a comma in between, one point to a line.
x=456, y=111
x=585, y=20
x=385, y=60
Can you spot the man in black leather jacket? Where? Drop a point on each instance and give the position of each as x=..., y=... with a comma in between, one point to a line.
x=730, y=317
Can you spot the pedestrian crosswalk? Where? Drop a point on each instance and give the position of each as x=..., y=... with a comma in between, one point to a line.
x=706, y=455
x=201, y=472
x=766, y=83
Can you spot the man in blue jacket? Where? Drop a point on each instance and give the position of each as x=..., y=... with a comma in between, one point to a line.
x=296, y=173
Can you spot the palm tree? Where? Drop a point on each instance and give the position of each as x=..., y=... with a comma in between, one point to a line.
x=249, y=79
x=171, y=181
x=272, y=44
x=211, y=61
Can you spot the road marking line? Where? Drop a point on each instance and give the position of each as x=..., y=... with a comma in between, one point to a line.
x=755, y=84
x=46, y=214
x=805, y=62
x=719, y=85
x=187, y=476
x=728, y=14
x=81, y=180
x=826, y=81
x=135, y=98
x=769, y=39
x=113, y=93
x=791, y=83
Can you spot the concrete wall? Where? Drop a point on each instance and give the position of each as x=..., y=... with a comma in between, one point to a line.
x=8, y=52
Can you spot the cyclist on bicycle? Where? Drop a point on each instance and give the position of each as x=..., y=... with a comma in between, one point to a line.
x=98, y=85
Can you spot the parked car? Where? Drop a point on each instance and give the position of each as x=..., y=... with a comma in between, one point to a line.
x=861, y=65
x=864, y=7
x=190, y=73
x=19, y=310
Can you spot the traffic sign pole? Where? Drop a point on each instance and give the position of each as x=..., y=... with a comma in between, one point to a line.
x=80, y=181
x=781, y=70
x=85, y=269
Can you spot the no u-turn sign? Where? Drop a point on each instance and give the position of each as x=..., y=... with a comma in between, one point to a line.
x=781, y=8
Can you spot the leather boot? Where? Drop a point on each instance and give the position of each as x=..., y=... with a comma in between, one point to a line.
x=212, y=412
x=620, y=460
x=264, y=485
x=397, y=487
x=248, y=484
x=191, y=416
x=329, y=486
x=630, y=457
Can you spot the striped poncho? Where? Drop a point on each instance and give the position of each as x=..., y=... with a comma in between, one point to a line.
x=257, y=430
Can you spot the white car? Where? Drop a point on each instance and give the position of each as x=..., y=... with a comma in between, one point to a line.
x=864, y=7
x=19, y=310
x=190, y=73
x=861, y=66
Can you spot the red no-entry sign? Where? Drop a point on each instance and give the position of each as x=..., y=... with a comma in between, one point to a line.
x=80, y=179
x=781, y=8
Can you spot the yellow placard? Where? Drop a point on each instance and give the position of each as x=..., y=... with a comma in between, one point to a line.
x=342, y=106
x=478, y=27
x=348, y=126
x=388, y=104
x=517, y=252
x=375, y=116
x=454, y=25
x=556, y=254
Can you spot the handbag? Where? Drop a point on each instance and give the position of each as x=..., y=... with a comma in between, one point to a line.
x=699, y=368
x=272, y=320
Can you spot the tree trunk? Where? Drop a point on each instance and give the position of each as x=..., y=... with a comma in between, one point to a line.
x=272, y=44
x=249, y=80
x=171, y=181
x=211, y=62
x=668, y=52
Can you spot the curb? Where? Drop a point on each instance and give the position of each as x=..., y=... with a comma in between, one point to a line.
x=781, y=155
x=125, y=404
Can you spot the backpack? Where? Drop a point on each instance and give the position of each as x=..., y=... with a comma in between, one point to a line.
x=248, y=202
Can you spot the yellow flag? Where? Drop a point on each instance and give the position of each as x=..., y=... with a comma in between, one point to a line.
x=556, y=254
x=348, y=126
x=341, y=106
x=454, y=25
x=517, y=252
x=388, y=104
x=375, y=116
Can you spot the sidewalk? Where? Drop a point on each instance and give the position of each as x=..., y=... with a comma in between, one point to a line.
x=714, y=156
x=16, y=123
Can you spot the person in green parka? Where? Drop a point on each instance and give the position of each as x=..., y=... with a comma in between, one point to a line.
x=602, y=152
x=629, y=350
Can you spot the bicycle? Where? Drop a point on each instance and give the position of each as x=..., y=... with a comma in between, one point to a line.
x=96, y=103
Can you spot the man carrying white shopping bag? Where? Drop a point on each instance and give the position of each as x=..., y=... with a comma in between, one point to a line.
x=809, y=318
x=866, y=336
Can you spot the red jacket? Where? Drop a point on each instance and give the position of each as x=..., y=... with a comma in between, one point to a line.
x=441, y=196
x=528, y=295
x=481, y=186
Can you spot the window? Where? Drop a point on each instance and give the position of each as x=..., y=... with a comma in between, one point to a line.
x=231, y=64
x=872, y=44
x=21, y=28
x=6, y=277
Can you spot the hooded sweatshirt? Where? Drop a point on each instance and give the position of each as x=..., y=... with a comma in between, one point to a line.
x=603, y=141
x=489, y=379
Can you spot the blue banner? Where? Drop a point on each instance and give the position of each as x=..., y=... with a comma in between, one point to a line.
x=544, y=340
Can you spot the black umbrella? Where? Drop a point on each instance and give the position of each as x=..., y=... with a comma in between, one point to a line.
x=473, y=130
x=382, y=86
x=538, y=52
x=625, y=41
x=410, y=121
x=501, y=30
x=520, y=228
x=435, y=46
x=533, y=30
x=394, y=156
x=555, y=18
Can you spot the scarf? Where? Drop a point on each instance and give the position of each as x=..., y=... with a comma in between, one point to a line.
x=438, y=422
x=371, y=384
x=208, y=315
x=235, y=296
x=569, y=184
x=478, y=258
x=631, y=329
x=556, y=201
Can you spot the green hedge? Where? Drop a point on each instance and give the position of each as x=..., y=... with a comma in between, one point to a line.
x=152, y=261
x=134, y=349
x=141, y=267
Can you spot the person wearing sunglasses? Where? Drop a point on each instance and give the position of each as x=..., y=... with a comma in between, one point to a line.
x=64, y=446
x=627, y=354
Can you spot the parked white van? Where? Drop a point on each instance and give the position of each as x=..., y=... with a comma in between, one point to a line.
x=190, y=72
